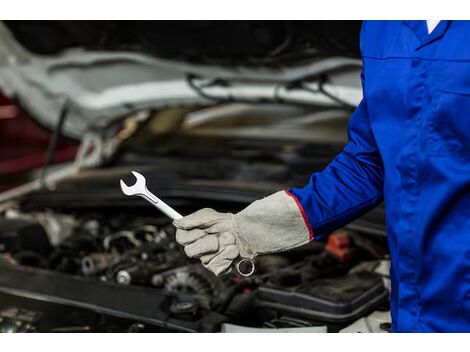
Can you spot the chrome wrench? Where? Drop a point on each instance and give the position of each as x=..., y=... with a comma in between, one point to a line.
x=140, y=189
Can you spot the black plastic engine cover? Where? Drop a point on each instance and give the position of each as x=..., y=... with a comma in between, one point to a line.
x=337, y=300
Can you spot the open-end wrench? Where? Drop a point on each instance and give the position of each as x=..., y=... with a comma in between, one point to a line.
x=140, y=189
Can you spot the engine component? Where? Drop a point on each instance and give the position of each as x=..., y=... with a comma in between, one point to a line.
x=336, y=300
x=185, y=309
x=97, y=262
x=18, y=320
x=123, y=277
x=22, y=235
x=187, y=282
x=271, y=263
x=339, y=245
x=231, y=328
x=135, y=274
x=73, y=292
x=378, y=322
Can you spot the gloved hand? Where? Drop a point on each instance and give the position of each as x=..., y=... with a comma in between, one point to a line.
x=269, y=225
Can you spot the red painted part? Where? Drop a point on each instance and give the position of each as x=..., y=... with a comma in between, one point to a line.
x=34, y=160
x=23, y=144
x=339, y=245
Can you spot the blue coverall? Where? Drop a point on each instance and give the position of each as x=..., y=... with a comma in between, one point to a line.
x=409, y=144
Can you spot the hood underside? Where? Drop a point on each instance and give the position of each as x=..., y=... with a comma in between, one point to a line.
x=103, y=71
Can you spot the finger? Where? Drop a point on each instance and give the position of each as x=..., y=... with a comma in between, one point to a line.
x=229, y=252
x=185, y=237
x=206, y=258
x=200, y=219
x=219, y=267
x=207, y=244
x=222, y=225
x=225, y=240
x=223, y=260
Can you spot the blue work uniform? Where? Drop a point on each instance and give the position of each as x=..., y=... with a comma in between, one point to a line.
x=409, y=144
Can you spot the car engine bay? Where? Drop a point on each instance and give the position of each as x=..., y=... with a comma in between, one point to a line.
x=325, y=284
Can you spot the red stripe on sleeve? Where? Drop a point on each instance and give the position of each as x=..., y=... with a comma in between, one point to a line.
x=304, y=215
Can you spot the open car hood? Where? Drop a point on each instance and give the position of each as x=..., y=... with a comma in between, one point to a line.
x=47, y=66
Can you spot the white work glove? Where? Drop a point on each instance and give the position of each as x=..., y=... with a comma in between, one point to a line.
x=269, y=225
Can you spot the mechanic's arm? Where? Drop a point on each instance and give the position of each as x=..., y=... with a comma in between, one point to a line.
x=350, y=185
